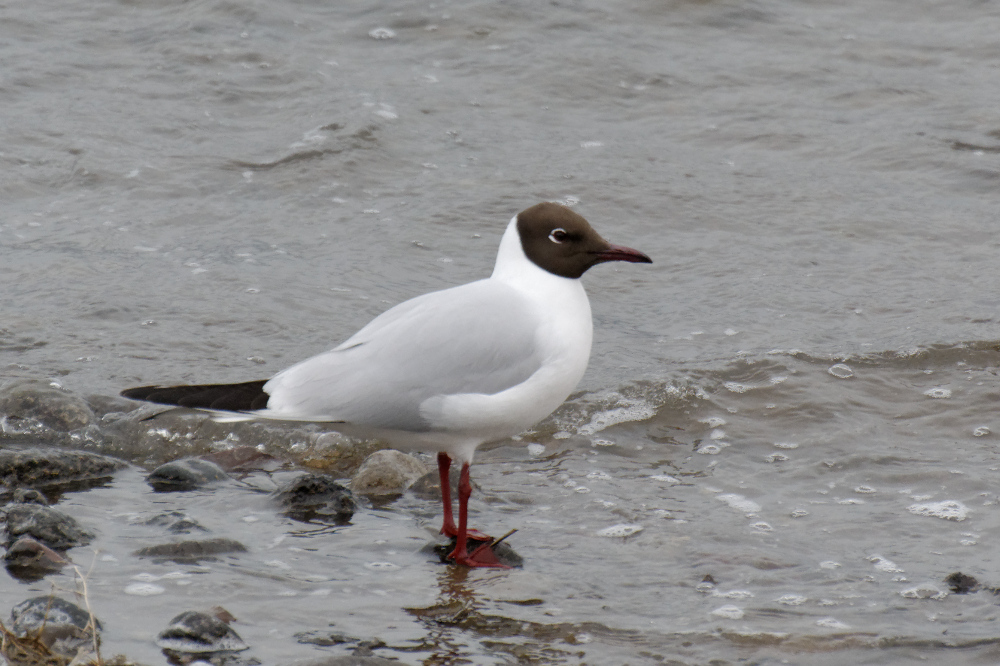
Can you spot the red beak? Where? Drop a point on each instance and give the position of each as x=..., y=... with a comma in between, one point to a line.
x=621, y=253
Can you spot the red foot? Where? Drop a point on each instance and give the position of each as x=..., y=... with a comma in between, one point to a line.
x=483, y=556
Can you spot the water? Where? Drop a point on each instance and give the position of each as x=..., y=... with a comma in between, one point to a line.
x=210, y=191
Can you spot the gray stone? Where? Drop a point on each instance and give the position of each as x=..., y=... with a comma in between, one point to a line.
x=387, y=472
x=185, y=474
x=62, y=626
x=345, y=660
x=41, y=468
x=193, y=632
x=53, y=528
x=192, y=550
x=47, y=404
x=316, y=496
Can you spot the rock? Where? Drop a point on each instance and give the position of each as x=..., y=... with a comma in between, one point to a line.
x=29, y=496
x=176, y=522
x=193, y=550
x=185, y=474
x=53, y=528
x=43, y=468
x=502, y=550
x=193, y=632
x=316, y=496
x=429, y=485
x=387, y=472
x=62, y=626
x=46, y=404
x=29, y=559
x=243, y=459
x=345, y=660
x=960, y=583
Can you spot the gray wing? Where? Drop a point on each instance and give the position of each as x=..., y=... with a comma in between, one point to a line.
x=476, y=338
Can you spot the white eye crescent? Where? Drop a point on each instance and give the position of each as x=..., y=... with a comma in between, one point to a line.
x=558, y=235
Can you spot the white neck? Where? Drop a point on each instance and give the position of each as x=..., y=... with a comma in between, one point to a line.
x=514, y=267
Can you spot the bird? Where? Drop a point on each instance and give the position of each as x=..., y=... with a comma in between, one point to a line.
x=448, y=370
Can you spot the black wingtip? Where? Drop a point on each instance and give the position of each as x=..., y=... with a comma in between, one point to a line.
x=242, y=397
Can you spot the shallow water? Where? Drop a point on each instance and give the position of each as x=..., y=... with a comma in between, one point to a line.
x=797, y=398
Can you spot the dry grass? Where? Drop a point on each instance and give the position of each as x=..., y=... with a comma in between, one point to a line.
x=31, y=650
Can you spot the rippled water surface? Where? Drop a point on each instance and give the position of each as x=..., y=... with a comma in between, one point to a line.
x=796, y=400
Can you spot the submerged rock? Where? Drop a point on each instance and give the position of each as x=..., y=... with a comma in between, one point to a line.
x=41, y=468
x=192, y=550
x=193, y=632
x=501, y=549
x=62, y=626
x=176, y=522
x=316, y=496
x=53, y=528
x=45, y=403
x=29, y=559
x=428, y=486
x=28, y=496
x=345, y=660
x=387, y=472
x=185, y=474
x=960, y=583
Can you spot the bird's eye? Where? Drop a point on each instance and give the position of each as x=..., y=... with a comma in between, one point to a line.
x=558, y=236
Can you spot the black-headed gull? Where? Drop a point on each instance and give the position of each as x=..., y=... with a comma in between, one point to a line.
x=449, y=370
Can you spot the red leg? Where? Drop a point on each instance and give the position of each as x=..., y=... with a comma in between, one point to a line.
x=483, y=555
x=444, y=466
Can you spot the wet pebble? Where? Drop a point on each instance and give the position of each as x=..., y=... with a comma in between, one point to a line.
x=27, y=558
x=344, y=660
x=316, y=496
x=53, y=528
x=176, y=522
x=502, y=550
x=185, y=474
x=387, y=472
x=192, y=550
x=29, y=496
x=62, y=626
x=41, y=468
x=194, y=632
x=40, y=402
x=960, y=583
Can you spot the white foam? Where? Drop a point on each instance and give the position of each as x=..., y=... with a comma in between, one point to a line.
x=883, y=564
x=947, y=510
x=632, y=410
x=924, y=591
x=734, y=594
x=792, y=599
x=620, y=530
x=938, y=393
x=381, y=33
x=728, y=612
x=740, y=503
x=832, y=623
x=841, y=371
x=143, y=589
